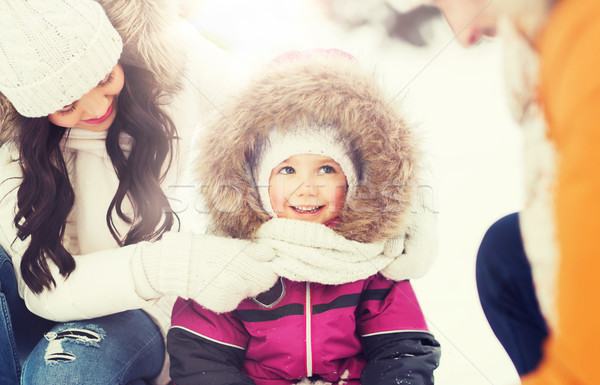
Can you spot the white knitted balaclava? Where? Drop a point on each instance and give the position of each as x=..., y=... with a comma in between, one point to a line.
x=313, y=139
x=52, y=52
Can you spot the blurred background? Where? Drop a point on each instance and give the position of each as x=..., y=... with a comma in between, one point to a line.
x=456, y=98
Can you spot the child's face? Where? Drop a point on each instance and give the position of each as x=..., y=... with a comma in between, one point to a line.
x=308, y=187
x=96, y=110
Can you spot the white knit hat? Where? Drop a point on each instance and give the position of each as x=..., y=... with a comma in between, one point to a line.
x=52, y=52
x=315, y=139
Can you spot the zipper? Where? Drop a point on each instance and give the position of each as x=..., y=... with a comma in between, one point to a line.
x=309, y=363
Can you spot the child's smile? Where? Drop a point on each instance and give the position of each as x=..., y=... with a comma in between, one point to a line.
x=307, y=209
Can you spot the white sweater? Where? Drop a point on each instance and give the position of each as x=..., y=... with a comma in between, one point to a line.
x=104, y=281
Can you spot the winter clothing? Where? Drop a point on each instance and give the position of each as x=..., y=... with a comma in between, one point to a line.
x=302, y=329
x=309, y=323
x=139, y=274
x=306, y=251
x=558, y=225
x=49, y=58
x=507, y=294
x=536, y=220
x=186, y=264
x=519, y=250
x=416, y=247
x=569, y=84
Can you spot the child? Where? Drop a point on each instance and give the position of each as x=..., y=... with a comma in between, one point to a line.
x=313, y=162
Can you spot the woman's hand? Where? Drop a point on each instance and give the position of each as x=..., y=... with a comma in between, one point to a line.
x=216, y=272
x=415, y=248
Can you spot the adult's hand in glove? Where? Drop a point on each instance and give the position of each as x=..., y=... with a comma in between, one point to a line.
x=416, y=246
x=216, y=272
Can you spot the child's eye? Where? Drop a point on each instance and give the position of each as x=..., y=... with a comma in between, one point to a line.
x=67, y=109
x=287, y=170
x=107, y=80
x=326, y=170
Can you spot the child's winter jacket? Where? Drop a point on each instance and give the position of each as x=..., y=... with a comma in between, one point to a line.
x=371, y=331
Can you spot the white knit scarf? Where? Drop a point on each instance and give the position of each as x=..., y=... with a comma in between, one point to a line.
x=313, y=252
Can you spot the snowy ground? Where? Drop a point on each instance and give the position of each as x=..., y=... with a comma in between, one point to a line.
x=456, y=97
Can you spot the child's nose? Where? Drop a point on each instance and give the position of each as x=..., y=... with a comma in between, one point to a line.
x=308, y=188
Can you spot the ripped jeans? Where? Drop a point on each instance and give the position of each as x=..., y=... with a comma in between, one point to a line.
x=123, y=348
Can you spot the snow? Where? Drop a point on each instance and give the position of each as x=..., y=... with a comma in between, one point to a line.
x=456, y=98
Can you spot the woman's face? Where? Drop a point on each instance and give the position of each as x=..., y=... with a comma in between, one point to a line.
x=96, y=110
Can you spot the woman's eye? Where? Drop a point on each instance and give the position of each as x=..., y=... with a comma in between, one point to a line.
x=287, y=170
x=67, y=109
x=107, y=80
x=326, y=170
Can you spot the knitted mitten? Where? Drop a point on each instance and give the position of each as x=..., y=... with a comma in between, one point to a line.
x=416, y=247
x=216, y=272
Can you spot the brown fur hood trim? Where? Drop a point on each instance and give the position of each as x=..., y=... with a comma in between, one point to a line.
x=8, y=117
x=328, y=89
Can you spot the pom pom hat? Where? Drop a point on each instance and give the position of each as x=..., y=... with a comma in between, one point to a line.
x=52, y=52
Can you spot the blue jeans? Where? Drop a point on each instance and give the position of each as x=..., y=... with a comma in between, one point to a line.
x=20, y=330
x=507, y=294
x=123, y=348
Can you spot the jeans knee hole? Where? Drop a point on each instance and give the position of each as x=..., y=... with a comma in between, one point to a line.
x=88, y=336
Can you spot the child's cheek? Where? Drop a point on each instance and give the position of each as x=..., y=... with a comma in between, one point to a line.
x=339, y=198
x=277, y=204
x=277, y=194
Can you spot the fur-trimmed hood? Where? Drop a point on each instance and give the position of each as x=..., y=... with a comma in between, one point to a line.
x=328, y=89
x=147, y=28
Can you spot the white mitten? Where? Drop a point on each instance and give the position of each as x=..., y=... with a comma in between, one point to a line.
x=415, y=248
x=216, y=272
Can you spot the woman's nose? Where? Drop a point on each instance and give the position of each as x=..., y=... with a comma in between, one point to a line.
x=94, y=104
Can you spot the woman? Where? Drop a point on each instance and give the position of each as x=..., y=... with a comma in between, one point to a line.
x=538, y=271
x=97, y=105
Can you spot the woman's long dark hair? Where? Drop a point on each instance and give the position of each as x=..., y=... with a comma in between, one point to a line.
x=46, y=197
